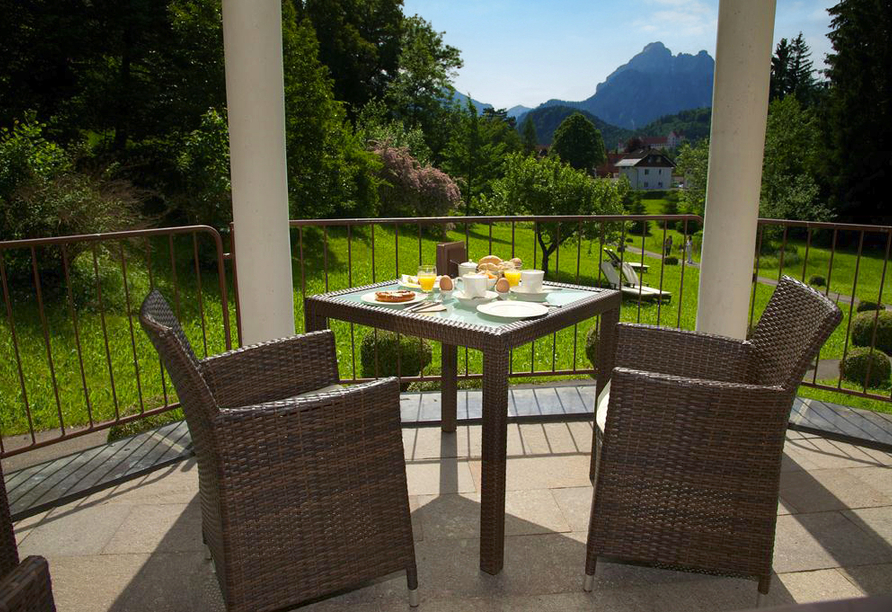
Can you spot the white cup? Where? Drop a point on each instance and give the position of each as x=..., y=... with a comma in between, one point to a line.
x=468, y=267
x=474, y=285
x=531, y=280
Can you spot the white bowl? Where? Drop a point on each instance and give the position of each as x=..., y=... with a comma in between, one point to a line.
x=473, y=302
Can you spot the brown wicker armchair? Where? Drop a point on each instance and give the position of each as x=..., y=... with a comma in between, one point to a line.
x=25, y=586
x=687, y=457
x=303, y=492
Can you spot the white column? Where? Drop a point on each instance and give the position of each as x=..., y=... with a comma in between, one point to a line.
x=737, y=141
x=252, y=39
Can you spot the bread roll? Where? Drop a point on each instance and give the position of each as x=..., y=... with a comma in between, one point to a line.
x=489, y=259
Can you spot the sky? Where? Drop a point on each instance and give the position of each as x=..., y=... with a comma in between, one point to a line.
x=529, y=51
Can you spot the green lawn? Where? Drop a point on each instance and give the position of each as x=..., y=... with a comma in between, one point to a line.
x=348, y=262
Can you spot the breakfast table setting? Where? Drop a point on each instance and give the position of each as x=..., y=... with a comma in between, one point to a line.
x=492, y=305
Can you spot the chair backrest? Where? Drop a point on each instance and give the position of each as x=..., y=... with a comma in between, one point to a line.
x=630, y=275
x=613, y=256
x=795, y=324
x=610, y=272
x=9, y=553
x=163, y=329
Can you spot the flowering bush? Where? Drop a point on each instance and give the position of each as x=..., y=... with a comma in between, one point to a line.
x=408, y=189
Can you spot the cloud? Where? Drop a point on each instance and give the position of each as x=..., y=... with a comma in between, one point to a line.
x=679, y=17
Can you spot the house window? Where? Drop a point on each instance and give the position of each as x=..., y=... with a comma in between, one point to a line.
x=660, y=171
x=645, y=185
x=647, y=171
x=660, y=184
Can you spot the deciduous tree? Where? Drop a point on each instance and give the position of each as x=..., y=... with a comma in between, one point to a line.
x=578, y=142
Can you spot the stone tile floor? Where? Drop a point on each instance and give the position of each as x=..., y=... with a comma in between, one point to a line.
x=137, y=547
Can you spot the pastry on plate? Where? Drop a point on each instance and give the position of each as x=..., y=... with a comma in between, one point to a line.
x=394, y=296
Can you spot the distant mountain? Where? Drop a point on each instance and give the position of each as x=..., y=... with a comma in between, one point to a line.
x=547, y=119
x=517, y=111
x=652, y=84
x=463, y=101
x=694, y=124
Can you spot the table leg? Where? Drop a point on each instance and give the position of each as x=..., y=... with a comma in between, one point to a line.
x=313, y=322
x=495, y=434
x=606, y=359
x=448, y=387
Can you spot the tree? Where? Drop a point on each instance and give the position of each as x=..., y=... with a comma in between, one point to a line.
x=792, y=71
x=533, y=186
x=692, y=163
x=359, y=41
x=427, y=67
x=789, y=188
x=476, y=153
x=578, y=142
x=500, y=114
x=528, y=136
x=329, y=171
x=858, y=115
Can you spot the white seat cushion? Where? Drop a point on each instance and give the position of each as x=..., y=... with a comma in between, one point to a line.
x=601, y=407
x=322, y=390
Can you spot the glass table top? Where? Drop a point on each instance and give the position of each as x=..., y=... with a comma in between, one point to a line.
x=455, y=311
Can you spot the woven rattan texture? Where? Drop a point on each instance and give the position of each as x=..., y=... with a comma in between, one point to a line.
x=301, y=497
x=688, y=466
x=25, y=586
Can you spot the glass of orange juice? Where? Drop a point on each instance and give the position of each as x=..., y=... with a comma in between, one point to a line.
x=427, y=276
x=513, y=276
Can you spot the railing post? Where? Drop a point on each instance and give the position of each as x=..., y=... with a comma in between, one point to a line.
x=252, y=41
x=737, y=141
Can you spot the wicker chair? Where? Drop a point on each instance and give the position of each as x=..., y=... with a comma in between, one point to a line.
x=25, y=586
x=303, y=489
x=687, y=457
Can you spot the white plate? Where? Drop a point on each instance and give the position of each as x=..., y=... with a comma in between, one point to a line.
x=472, y=302
x=369, y=298
x=513, y=310
x=533, y=296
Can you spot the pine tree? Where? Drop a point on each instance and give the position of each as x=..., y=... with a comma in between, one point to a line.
x=529, y=137
x=780, y=70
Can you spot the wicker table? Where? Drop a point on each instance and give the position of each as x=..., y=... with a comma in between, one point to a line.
x=495, y=338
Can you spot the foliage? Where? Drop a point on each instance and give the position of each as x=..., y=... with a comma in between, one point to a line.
x=42, y=194
x=578, y=142
x=546, y=120
x=329, y=171
x=789, y=187
x=816, y=280
x=409, y=189
x=359, y=41
x=591, y=348
x=634, y=205
x=693, y=123
x=693, y=164
x=533, y=186
x=854, y=368
x=477, y=153
x=857, y=128
x=387, y=354
x=204, y=165
x=528, y=136
x=863, y=326
x=866, y=305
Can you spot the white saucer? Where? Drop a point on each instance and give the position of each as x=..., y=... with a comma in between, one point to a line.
x=530, y=296
x=472, y=302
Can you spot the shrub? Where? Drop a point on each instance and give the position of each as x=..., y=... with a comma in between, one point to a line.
x=412, y=354
x=591, y=347
x=408, y=189
x=862, y=329
x=869, y=306
x=671, y=261
x=854, y=367
x=816, y=280
x=630, y=239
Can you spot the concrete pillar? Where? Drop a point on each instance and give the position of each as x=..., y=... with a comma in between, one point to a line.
x=252, y=40
x=737, y=141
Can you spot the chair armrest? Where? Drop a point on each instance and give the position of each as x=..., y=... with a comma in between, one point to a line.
x=682, y=353
x=696, y=426
x=272, y=370
x=27, y=588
